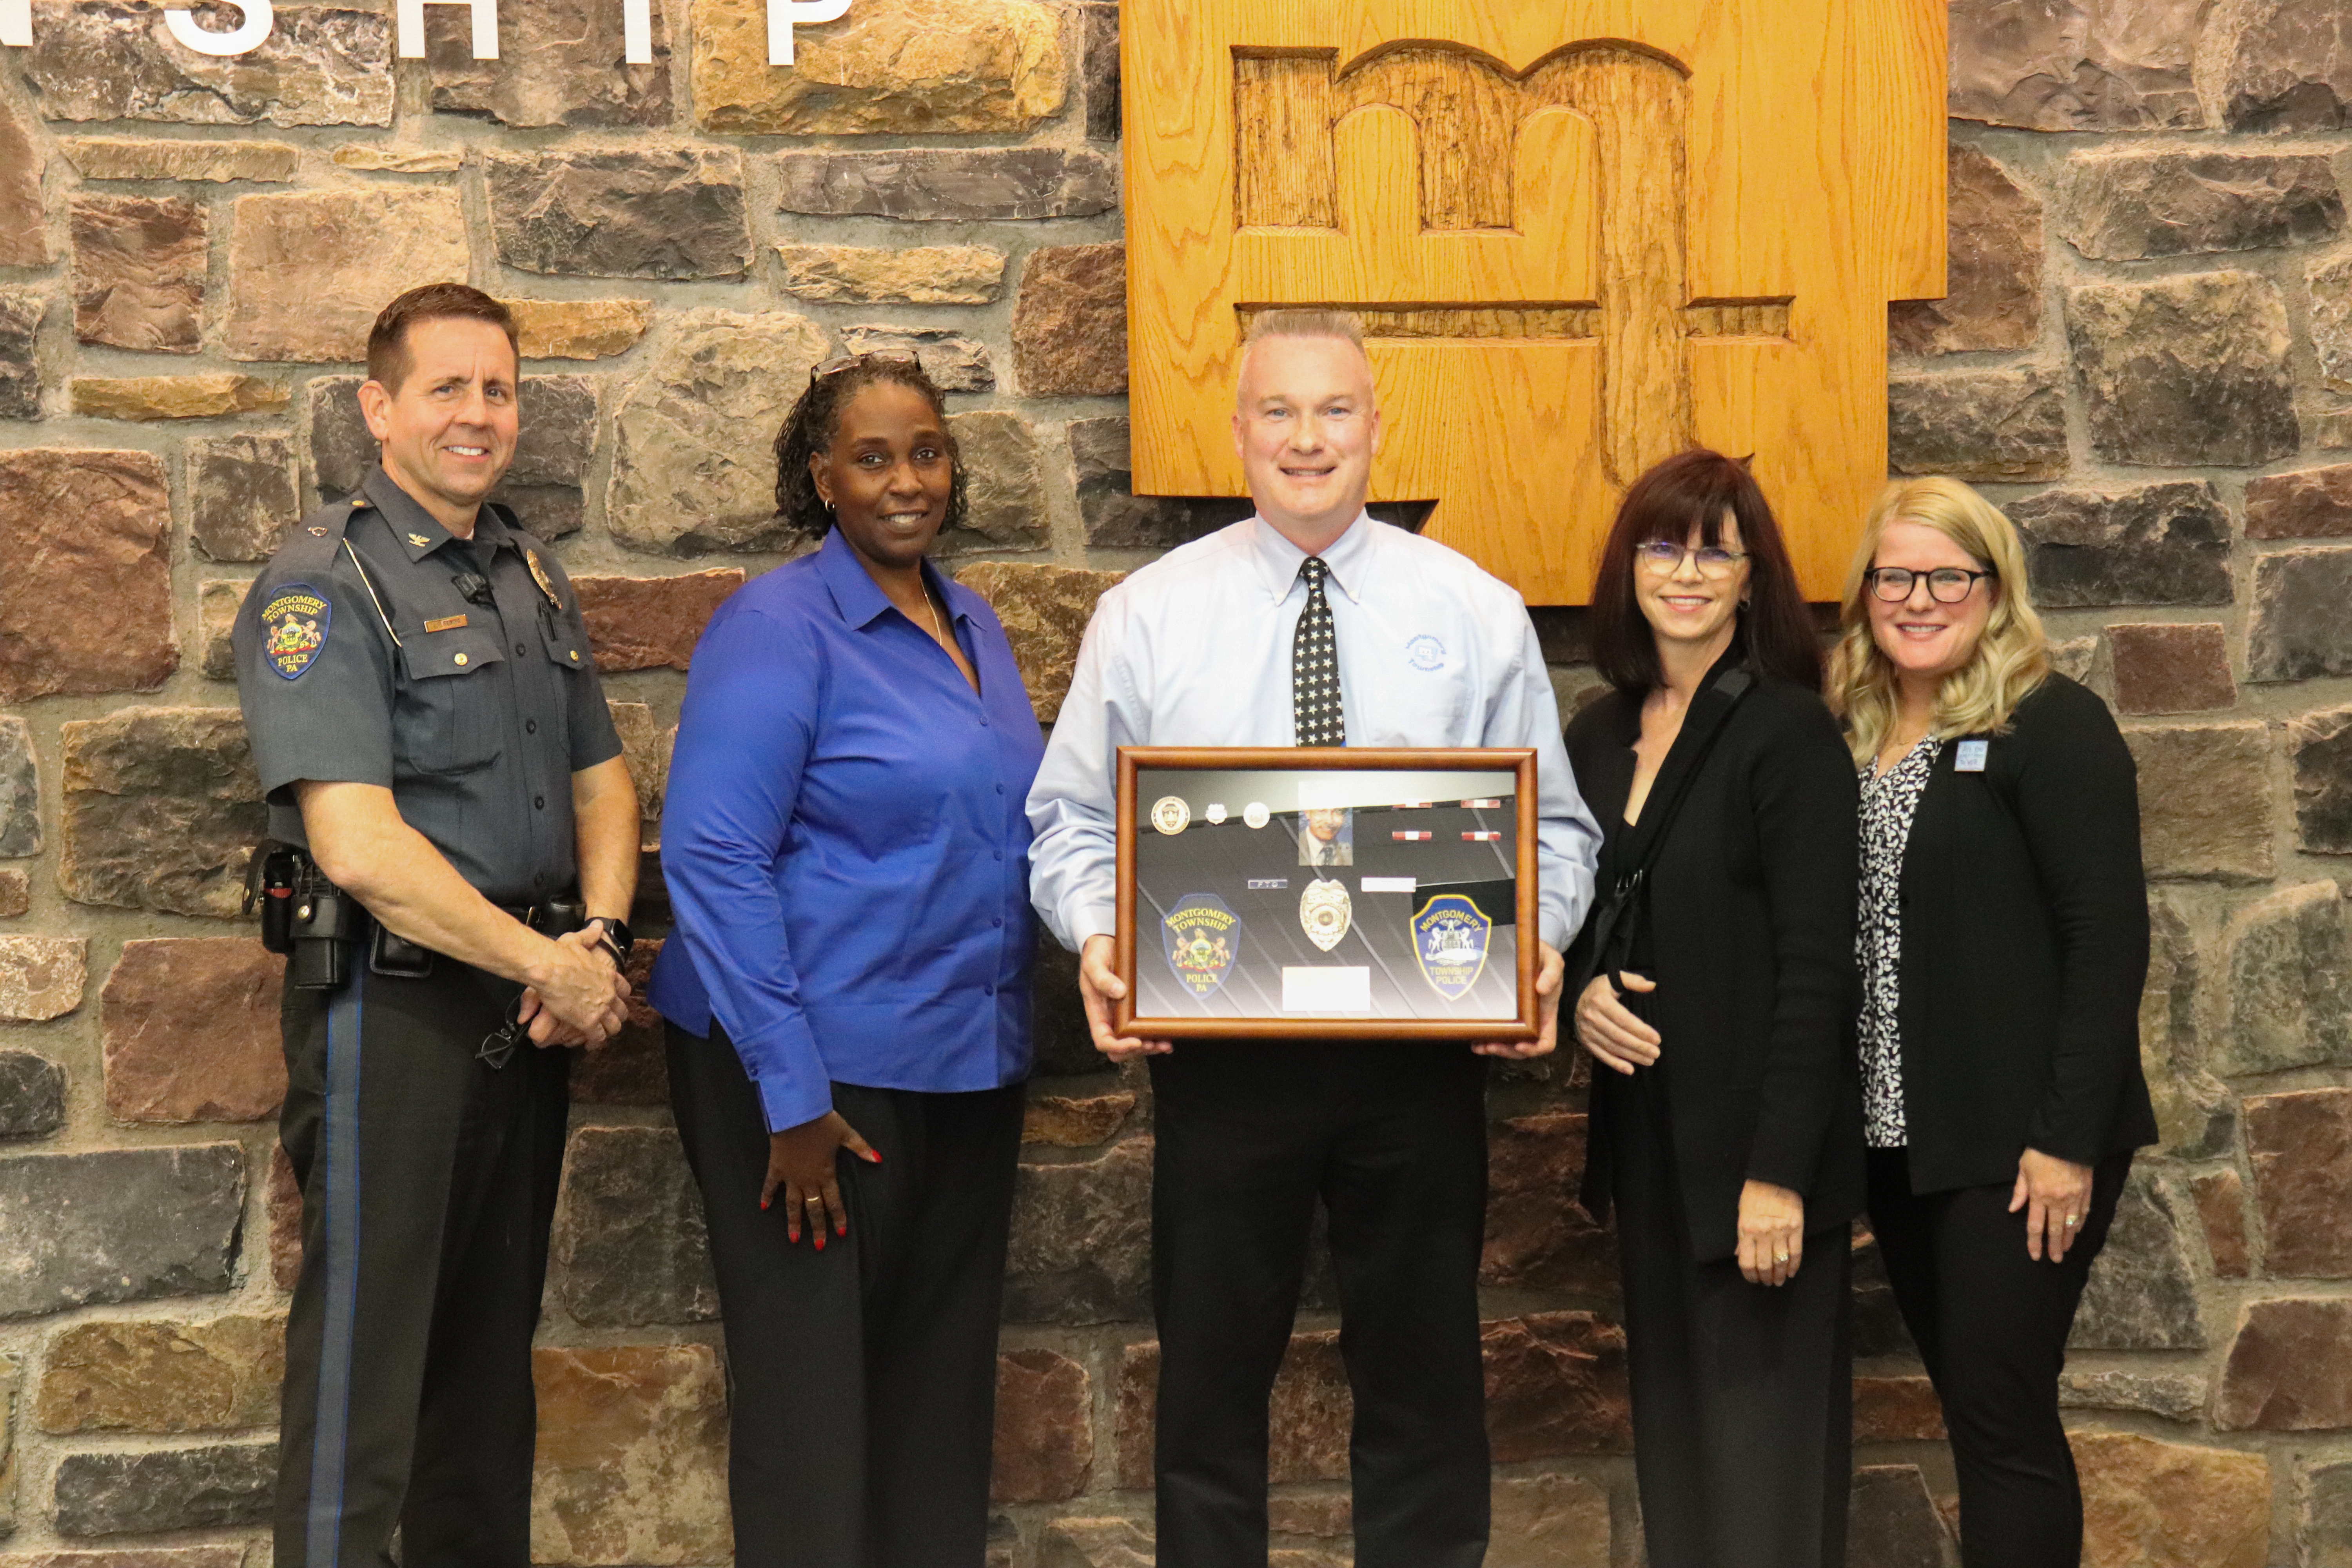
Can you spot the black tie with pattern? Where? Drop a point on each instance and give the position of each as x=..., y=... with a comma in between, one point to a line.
x=1314, y=667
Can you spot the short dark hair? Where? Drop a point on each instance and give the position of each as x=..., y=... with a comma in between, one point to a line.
x=1694, y=490
x=387, y=347
x=816, y=420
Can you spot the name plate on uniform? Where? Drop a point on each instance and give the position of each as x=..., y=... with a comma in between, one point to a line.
x=1352, y=893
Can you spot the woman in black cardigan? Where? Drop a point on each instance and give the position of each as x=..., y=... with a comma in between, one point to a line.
x=1725, y=1124
x=2002, y=947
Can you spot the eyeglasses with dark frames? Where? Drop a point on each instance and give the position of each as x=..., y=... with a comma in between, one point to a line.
x=1946, y=585
x=499, y=1043
x=1665, y=558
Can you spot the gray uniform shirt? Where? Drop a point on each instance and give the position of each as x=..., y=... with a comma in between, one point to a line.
x=474, y=715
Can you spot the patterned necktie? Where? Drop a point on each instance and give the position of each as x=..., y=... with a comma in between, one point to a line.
x=1315, y=710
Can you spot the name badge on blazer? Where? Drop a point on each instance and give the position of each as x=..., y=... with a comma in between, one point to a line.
x=1971, y=757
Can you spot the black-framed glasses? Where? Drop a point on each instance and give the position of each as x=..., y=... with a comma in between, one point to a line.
x=498, y=1045
x=1946, y=585
x=1665, y=557
x=871, y=356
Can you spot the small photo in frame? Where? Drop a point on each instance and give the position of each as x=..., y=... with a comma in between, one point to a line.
x=1327, y=837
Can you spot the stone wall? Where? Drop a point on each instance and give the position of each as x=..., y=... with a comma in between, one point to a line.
x=2147, y=355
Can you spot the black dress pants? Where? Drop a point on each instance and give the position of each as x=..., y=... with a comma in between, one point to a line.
x=1391, y=1139
x=1742, y=1394
x=1992, y=1325
x=862, y=1379
x=428, y=1181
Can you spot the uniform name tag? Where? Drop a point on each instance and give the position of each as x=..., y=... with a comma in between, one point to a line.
x=445, y=624
x=1971, y=757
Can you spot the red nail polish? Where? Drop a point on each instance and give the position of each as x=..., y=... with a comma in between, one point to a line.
x=841, y=1228
x=763, y=1205
x=820, y=1241
x=875, y=1155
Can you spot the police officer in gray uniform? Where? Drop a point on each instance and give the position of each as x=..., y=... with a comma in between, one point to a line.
x=461, y=853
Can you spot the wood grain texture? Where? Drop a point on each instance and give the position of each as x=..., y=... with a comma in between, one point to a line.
x=1584, y=234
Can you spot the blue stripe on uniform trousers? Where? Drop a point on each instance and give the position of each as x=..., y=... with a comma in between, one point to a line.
x=339, y=1159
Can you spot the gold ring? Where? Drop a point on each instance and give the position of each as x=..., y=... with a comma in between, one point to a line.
x=1779, y=1257
x=2073, y=1220
x=819, y=1200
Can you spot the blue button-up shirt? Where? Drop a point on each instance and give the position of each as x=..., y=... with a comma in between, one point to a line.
x=845, y=843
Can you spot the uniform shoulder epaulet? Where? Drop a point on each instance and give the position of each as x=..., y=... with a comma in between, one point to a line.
x=311, y=545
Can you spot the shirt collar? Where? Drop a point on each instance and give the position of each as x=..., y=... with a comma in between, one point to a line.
x=860, y=599
x=417, y=531
x=1350, y=557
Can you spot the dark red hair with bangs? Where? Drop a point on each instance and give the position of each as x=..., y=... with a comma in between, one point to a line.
x=1692, y=490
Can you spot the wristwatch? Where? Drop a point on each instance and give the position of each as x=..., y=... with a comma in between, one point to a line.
x=615, y=934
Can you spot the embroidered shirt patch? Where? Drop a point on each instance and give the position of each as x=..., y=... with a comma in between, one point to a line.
x=294, y=629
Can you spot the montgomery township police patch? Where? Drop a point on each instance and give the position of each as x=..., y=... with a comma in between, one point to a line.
x=294, y=628
x=1450, y=937
x=1204, y=937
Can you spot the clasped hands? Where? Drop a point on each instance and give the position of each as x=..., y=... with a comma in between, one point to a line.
x=1100, y=986
x=578, y=997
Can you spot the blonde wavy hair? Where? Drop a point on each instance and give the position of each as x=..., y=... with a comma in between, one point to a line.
x=2011, y=658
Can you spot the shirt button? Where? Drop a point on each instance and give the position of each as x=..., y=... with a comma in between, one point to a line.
x=1000, y=855
x=997, y=921
x=1000, y=789
x=459, y=661
x=990, y=989
x=517, y=648
x=539, y=803
x=531, y=726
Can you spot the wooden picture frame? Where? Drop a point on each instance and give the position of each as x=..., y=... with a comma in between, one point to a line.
x=1401, y=1010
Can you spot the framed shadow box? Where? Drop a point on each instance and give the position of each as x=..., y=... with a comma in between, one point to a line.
x=1354, y=893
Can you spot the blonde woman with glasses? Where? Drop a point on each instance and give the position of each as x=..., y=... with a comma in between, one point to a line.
x=2002, y=943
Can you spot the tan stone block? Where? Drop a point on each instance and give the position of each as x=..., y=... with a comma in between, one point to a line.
x=163, y=1376
x=229, y=1554
x=173, y=396
x=124, y=158
x=921, y=275
x=378, y=158
x=646, y=751
x=114, y=59
x=24, y=220
x=1537, y=1236
x=41, y=977
x=890, y=66
x=309, y=272
x=283, y=1207
x=1044, y=1441
x=1331, y=1515
x=2289, y=1367
x=1548, y=1521
x=631, y=1461
x=2307, y=503
x=86, y=603
x=2221, y=1206
x=1309, y=1417
x=2204, y=793
x=561, y=63
x=1896, y=1410
x=191, y=1031
x=578, y=329
x=1555, y=1384
x=2148, y=1504
x=1045, y=610
x=2078, y=65
x=163, y=808
x=1060, y=1122
x=1994, y=296
x=650, y=623
x=1069, y=325
x=15, y=892
x=1096, y=1544
x=139, y=265
x=2172, y=669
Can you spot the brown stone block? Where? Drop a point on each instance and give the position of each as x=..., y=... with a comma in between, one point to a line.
x=2173, y=1396
x=2322, y=1515
x=645, y=747
x=1309, y=1415
x=2290, y=983
x=41, y=977
x=1548, y=1521
x=113, y=60
x=219, y=1376
x=2186, y=371
x=1081, y=1238
x=282, y=1206
x=1102, y=463
x=1004, y=482
x=2001, y=425
x=2221, y=1205
x=219, y=600
x=1993, y=294
x=1096, y=1543
x=230, y=1554
x=139, y=272
x=20, y=789
x=377, y=158
x=693, y=468
x=1896, y=1410
x=990, y=185
x=672, y=212
x=191, y=1031
x=1555, y=1384
x=86, y=603
x=15, y=892
x=921, y=275
x=2204, y=793
x=2300, y=1147
x=120, y=158
x=1537, y=1236
x=630, y=1245
x=309, y=272
x=631, y=1461
x=2321, y=745
x=2078, y=65
x=23, y=221
x=162, y=811
x=2289, y=1368
x=1044, y=1428
x=21, y=311
x=2172, y=669
x=173, y=396
x=1098, y=68
x=2310, y=503
x=560, y=63
x=649, y=622
x=891, y=67
x=241, y=495
x=1331, y=1515
x=1045, y=610
x=2299, y=628
x=2148, y=1504
x=2329, y=279
x=2127, y=206
x=1892, y=1522
x=2142, y=1294
x=578, y=329
x=1059, y=1121
x=2287, y=69
x=953, y=361
x=1069, y=324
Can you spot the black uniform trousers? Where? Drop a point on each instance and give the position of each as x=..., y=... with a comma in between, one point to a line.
x=1742, y=1394
x=1391, y=1138
x=862, y=1379
x=1992, y=1325
x=428, y=1181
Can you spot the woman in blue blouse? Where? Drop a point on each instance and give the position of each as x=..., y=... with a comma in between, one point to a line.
x=847, y=992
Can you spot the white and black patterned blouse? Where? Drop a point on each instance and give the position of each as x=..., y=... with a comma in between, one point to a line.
x=1889, y=800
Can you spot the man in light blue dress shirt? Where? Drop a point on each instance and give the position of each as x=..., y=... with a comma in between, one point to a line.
x=1229, y=641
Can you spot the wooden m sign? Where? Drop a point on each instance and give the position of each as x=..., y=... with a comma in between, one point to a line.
x=1583, y=236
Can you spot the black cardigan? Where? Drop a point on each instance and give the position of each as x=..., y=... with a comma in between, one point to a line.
x=1751, y=935
x=2024, y=949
